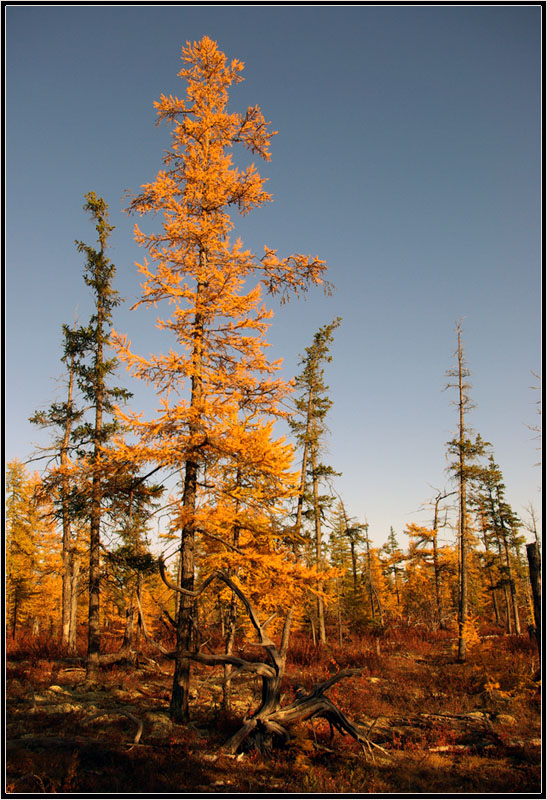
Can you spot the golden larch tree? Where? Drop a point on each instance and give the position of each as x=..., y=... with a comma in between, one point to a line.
x=216, y=389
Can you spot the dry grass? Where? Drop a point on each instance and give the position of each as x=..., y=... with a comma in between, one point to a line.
x=405, y=673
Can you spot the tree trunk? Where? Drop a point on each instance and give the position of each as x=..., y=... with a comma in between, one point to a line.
x=73, y=624
x=318, y=534
x=490, y=576
x=463, y=596
x=94, y=630
x=534, y=566
x=179, y=706
x=370, y=586
x=514, y=604
x=67, y=546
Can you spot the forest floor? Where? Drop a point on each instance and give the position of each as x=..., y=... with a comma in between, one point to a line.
x=433, y=725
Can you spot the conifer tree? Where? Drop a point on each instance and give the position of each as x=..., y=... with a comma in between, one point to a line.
x=503, y=524
x=58, y=482
x=465, y=451
x=217, y=387
x=92, y=369
x=309, y=427
x=392, y=558
x=32, y=558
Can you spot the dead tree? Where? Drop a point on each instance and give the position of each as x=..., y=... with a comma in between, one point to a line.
x=271, y=719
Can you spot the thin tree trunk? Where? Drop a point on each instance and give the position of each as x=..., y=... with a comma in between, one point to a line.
x=232, y=617
x=67, y=548
x=370, y=586
x=514, y=605
x=318, y=557
x=463, y=597
x=74, y=586
x=490, y=576
x=94, y=630
x=534, y=565
x=303, y=472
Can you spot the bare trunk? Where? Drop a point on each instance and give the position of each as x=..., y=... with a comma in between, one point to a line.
x=94, y=630
x=490, y=576
x=534, y=564
x=370, y=586
x=67, y=636
x=304, y=468
x=179, y=705
x=463, y=598
x=74, y=585
x=318, y=557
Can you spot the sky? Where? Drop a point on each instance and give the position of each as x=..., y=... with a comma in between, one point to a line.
x=408, y=157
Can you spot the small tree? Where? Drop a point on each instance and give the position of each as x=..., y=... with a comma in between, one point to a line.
x=58, y=482
x=392, y=560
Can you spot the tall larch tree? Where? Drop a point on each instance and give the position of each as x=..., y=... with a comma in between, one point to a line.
x=218, y=372
x=33, y=564
x=93, y=368
x=465, y=451
x=309, y=427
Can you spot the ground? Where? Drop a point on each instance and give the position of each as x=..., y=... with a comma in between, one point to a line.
x=433, y=725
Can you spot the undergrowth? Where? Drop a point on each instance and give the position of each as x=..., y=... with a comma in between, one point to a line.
x=405, y=672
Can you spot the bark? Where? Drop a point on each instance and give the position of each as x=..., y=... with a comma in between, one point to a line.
x=94, y=634
x=68, y=633
x=534, y=565
x=74, y=585
x=318, y=535
x=463, y=594
x=179, y=706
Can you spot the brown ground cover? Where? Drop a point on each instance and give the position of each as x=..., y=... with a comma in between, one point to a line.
x=433, y=725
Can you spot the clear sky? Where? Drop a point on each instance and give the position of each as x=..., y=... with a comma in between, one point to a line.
x=408, y=157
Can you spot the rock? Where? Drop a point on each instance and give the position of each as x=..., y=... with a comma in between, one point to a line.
x=15, y=688
x=160, y=723
x=58, y=690
x=480, y=715
x=505, y=719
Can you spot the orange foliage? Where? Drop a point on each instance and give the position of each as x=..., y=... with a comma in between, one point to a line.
x=218, y=393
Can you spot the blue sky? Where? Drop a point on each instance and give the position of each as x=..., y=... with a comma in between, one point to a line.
x=408, y=158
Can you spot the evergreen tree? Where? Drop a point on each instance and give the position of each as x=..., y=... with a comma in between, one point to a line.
x=502, y=525
x=465, y=451
x=392, y=558
x=92, y=370
x=59, y=483
x=309, y=427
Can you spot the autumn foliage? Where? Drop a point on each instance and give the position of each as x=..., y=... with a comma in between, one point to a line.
x=238, y=496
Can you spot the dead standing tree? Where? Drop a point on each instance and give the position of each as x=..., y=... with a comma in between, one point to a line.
x=270, y=719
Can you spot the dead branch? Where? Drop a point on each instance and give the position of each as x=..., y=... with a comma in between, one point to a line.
x=270, y=719
x=119, y=711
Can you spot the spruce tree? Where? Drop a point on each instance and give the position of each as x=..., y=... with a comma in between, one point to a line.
x=309, y=426
x=465, y=451
x=93, y=368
